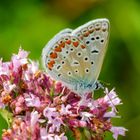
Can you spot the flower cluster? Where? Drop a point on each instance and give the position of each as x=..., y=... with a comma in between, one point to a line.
x=44, y=109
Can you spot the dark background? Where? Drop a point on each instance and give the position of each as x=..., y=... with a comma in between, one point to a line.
x=31, y=24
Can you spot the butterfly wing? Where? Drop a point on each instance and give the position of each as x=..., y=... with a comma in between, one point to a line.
x=62, y=59
x=94, y=35
x=69, y=58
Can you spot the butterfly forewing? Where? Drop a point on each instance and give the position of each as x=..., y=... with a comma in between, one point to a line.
x=94, y=35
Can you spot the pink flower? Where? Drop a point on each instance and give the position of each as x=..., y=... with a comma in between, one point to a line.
x=55, y=125
x=110, y=114
x=47, y=136
x=34, y=119
x=53, y=119
x=19, y=59
x=65, y=110
x=50, y=113
x=8, y=87
x=44, y=109
x=18, y=105
x=4, y=68
x=31, y=100
x=22, y=130
x=112, y=98
x=58, y=87
x=118, y=131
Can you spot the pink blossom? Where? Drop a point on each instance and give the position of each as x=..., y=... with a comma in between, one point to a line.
x=34, y=118
x=4, y=68
x=19, y=59
x=118, y=131
x=56, y=124
x=112, y=98
x=45, y=109
x=110, y=114
x=8, y=87
x=65, y=110
x=31, y=100
x=47, y=136
x=50, y=113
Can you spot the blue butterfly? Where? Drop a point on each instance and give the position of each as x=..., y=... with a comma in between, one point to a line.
x=75, y=57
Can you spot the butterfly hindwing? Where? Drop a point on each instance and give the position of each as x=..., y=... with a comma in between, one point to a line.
x=64, y=59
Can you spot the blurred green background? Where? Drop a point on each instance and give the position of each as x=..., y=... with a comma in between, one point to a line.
x=31, y=24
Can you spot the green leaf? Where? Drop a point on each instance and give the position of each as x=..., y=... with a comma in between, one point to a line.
x=8, y=117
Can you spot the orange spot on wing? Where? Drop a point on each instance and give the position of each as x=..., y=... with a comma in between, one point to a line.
x=68, y=42
x=51, y=64
x=86, y=34
x=76, y=44
x=53, y=55
x=58, y=49
x=62, y=45
x=83, y=47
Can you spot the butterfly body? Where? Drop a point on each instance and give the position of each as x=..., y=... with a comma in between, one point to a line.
x=75, y=57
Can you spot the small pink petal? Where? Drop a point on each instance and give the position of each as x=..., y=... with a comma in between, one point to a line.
x=118, y=131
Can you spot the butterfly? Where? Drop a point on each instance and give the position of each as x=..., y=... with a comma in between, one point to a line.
x=75, y=57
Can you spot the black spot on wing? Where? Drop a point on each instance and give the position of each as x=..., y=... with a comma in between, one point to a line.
x=94, y=51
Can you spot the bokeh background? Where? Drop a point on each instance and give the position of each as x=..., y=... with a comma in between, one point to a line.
x=31, y=24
